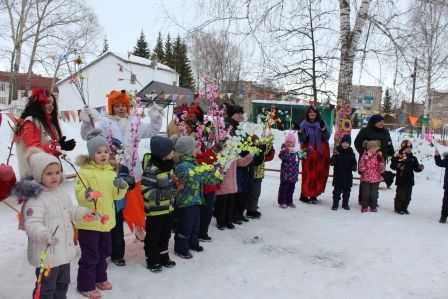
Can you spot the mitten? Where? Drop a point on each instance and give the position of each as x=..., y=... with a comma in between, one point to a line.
x=87, y=194
x=155, y=112
x=322, y=123
x=120, y=183
x=131, y=182
x=89, y=115
x=49, y=239
x=421, y=167
x=67, y=145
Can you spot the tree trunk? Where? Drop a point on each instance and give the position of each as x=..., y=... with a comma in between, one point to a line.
x=349, y=44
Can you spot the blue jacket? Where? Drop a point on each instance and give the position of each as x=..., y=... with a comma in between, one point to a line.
x=289, y=170
x=191, y=178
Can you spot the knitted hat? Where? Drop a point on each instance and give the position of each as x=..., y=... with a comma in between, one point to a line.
x=38, y=160
x=371, y=144
x=232, y=109
x=375, y=118
x=291, y=138
x=118, y=97
x=346, y=138
x=406, y=143
x=161, y=146
x=94, y=141
x=185, y=145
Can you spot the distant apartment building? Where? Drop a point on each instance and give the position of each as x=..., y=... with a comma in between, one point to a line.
x=405, y=109
x=366, y=100
x=438, y=107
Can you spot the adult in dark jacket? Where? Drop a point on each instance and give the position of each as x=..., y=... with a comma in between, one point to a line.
x=405, y=163
x=374, y=131
x=344, y=163
x=443, y=163
x=313, y=137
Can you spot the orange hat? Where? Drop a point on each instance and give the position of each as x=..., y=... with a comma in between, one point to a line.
x=118, y=97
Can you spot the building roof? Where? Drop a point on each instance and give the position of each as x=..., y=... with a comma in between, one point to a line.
x=159, y=88
x=37, y=81
x=126, y=59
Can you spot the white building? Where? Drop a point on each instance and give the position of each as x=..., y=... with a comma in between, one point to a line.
x=113, y=71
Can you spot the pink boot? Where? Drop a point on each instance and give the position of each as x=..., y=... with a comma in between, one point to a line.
x=95, y=294
x=363, y=210
x=104, y=286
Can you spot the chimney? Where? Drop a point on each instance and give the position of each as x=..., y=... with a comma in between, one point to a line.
x=154, y=60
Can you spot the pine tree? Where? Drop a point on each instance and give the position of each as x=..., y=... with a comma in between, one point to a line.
x=185, y=73
x=105, y=45
x=168, y=55
x=387, y=106
x=158, y=49
x=141, y=49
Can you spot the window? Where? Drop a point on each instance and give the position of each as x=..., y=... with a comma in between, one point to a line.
x=2, y=87
x=2, y=101
x=369, y=93
x=133, y=78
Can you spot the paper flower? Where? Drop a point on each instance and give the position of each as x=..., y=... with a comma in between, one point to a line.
x=104, y=219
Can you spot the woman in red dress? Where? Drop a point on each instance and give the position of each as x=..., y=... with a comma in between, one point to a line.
x=313, y=136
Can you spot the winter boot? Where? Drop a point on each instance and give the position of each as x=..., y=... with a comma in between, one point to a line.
x=313, y=199
x=197, y=248
x=186, y=255
x=104, y=286
x=95, y=294
x=119, y=262
x=154, y=268
x=291, y=205
x=304, y=199
x=230, y=226
x=442, y=219
x=346, y=207
x=205, y=238
x=166, y=261
x=253, y=215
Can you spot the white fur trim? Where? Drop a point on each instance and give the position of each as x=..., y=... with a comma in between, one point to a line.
x=88, y=113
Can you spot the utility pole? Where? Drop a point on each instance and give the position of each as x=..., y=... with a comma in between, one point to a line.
x=414, y=78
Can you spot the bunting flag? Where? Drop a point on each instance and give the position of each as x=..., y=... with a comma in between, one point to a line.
x=436, y=123
x=401, y=117
x=174, y=97
x=67, y=115
x=1, y=119
x=181, y=97
x=425, y=121
x=73, y=115
x=413, y=119
x=61, y=116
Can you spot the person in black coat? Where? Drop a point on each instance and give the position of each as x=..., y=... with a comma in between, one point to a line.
x=374, y=131
x=344, y=163
x=443, y=163
x=405, y=163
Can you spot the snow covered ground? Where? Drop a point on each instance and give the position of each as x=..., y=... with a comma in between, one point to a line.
x=307, y=252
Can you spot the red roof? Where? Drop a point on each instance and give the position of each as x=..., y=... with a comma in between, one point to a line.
x=37, y=81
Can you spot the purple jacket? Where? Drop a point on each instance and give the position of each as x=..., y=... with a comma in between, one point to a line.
x=289, y=170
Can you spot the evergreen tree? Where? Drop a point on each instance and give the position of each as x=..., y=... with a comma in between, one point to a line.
x=105, y=45
x=168, y=55
x=141, y=49
x=158, y=49
x=186, y=75
x=387, y=106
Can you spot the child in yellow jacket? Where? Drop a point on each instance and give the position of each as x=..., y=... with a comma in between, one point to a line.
x=96, y=187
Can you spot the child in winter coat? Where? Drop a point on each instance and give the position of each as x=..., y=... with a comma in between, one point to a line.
x=159, y=190
x=289, y=172
x=344, y=163
x=443, y=163
x=97, y=187
x=189, y=198
x=405, y=163
x=371, y=166
x=48, y=215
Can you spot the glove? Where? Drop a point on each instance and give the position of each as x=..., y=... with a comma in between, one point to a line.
x=67, y=145
x=155, y=112
x=120, y=183
x=322, y=123
x=87, y=194
x=49, y=239
x=131, y=182
x=421, y=167
x=88, y=115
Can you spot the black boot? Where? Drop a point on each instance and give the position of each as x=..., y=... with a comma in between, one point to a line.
x=155, y=267
x=313, y=199
x=304, y=199
x=166, y=261
x=253, y=215
x=442, y=219
x=335, y=204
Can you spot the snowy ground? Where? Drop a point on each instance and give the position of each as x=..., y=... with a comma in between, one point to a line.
x=307, y=252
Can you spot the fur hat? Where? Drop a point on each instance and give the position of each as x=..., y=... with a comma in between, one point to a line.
x=346, y=138
x=232, y=109
x=371, y=144
x=118, y=97
x=38, y=160
x=161, y=146
x=184, y=145
x=375, y=119
x=94, y=141
x=291, y=138
x=405, y=143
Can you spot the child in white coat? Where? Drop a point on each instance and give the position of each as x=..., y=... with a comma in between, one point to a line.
x=48, y=214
